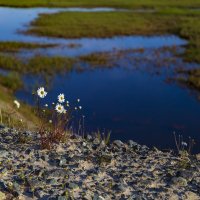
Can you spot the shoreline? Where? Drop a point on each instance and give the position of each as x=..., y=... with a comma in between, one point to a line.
x=90, y=169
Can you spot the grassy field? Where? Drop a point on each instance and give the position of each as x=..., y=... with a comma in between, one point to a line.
x=37, y=64
x=12, y=81
x=16, y=46
x=102, y=3
x=182, y=22
x=106, y=24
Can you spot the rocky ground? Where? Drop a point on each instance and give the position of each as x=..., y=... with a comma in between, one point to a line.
x=88, y=169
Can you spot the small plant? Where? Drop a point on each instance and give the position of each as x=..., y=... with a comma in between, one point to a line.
x=7, y=116
x=54, y=118
x=182, y=146
x=103, y=137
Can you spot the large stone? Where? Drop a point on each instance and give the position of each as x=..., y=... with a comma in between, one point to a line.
x=187, y=174
x=39, y=193
x=73, y=186
x=133, y=144
x=98, y=197
x=3, y=154
x=52, y=182
x=62, y=162
x=2, y=196
x=192, y=196
x=96, y=141
x=16, y=189
x=58, y=173
x=62, y=198
x=118, y=143
x=89, y=137
x=179, y=181
x=198, y=156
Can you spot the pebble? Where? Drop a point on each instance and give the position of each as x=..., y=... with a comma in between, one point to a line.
x=92, y=170
x=2, y=196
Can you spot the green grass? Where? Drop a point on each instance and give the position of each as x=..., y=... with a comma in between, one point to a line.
x=37, y=64
x=49, y=65
x=16, y=46
x=10, y=63
x=96, y=59
x=11, y=81
x=105, y=24
x=101, y=3
x=182, y=22
x=190, y=29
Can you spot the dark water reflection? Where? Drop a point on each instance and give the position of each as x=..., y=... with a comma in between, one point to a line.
x=133, y=98
x=133, y=101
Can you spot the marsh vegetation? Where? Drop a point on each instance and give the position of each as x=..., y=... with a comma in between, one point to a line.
x=126, y=50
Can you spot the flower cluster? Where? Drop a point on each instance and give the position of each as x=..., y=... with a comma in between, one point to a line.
x=59, y=106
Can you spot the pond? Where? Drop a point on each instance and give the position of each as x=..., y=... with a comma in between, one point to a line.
x=137, y=98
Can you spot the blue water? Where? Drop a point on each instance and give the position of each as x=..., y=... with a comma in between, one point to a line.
x=133, y=99
x=18, y=20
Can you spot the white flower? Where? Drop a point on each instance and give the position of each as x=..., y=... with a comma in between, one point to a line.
x=75, y=108
x=53, y=103
x=59, y=108
x=41, y=92
x=78, y=100
x=50, y=121
x=80, y=107
x=61, y=98
x=46, y=105
x=17, y=104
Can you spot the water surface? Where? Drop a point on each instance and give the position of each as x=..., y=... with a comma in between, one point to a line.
x=133, y=98
x=18, y=20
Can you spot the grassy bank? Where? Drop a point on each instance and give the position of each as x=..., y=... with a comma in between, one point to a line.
x=182, y=22
x=24, y=115
x=11, y=81
x=37, y=64
x=106, y=24
x=101, y=3
x=16, y=46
